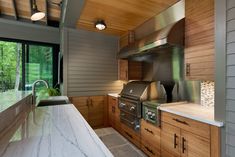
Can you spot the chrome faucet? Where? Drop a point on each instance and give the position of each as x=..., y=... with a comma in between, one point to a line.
x=33, y=89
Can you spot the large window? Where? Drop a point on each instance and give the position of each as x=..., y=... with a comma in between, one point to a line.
x=22, y=63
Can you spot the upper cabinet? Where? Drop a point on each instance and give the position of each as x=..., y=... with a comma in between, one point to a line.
x=129, y=70
x=199, y=40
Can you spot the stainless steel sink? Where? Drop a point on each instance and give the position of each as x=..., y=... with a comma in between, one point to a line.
x=52, y=102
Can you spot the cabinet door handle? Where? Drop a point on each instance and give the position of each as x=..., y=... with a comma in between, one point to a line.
x=91, y=102
x=175, y=138
x=129, y=135
x=126, y=75
x=149, y=150
x=188, y=69
x=150, y=131
x=183, y=145
x=87, y=102
x=113, y=109
x=180, y=121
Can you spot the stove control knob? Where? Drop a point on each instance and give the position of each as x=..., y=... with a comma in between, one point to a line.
x=149, y=113
x=137, y=127
x=122, y=105
x=132, y=108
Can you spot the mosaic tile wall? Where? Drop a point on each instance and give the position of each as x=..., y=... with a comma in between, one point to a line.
x=207, y=93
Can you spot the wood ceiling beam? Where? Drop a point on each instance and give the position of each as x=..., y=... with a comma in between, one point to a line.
x=46, y=11
x=31, y=8
x=15, y=9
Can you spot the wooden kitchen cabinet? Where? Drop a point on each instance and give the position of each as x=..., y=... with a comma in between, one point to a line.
x=170, y=139
x=150, y=139
x=114, y=113
x=183, y=137
x=129, y=70
x=92, y=108
x=199, y=40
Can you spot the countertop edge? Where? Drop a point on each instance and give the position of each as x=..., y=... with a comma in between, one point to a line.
x=211, y=122
x=116, y=95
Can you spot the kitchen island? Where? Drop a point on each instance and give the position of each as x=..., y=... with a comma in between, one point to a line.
x=55, y=131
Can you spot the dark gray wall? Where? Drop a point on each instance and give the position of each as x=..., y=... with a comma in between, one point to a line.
x=27, y=31
x=90, y=63
x=230, y=98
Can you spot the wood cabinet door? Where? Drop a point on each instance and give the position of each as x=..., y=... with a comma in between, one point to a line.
x=81, y=103
x=96, y=111
x=110, y=114
x=170, y=139
x=123, y=69
x=193, y=145
x=199, y=40
x=117, y=118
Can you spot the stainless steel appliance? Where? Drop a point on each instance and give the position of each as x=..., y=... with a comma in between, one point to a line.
x=150, y=112
x=130, y=102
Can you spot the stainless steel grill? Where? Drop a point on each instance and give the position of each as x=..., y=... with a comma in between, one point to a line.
x=130, y=102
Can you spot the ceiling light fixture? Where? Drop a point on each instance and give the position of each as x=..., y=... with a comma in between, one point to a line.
x=100, y=25
x=36, y=14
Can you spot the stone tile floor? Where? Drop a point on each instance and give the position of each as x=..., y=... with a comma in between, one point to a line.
x=117, y=144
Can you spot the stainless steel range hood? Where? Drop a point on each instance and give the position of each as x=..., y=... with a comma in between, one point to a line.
x=160, y=32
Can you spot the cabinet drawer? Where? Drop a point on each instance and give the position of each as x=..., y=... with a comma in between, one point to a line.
x=150, y=150
x=196, y=127
x=131, y=135
x=150, y=133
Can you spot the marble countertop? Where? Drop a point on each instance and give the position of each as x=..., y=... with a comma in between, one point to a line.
x=10, y=98
x=116, y=95
x=55, y=131
x=192, y=111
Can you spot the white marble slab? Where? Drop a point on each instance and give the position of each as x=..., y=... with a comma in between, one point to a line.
x=10, y=98
x=116, y=95
x=192, y=111
x=55, y=131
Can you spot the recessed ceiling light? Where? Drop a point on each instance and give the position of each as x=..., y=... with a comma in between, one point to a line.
x=100, y=25
x=36, y=14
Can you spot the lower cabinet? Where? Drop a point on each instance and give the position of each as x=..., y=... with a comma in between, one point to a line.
x=92, y=108
x=114, y=113
x=150, y=139
x=131, y=135
x=179, y=138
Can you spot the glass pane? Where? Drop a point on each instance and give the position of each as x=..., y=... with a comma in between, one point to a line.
x=39, y=66
x=10, y=66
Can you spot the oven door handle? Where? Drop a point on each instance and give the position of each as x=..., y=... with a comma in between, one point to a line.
x=132, y=123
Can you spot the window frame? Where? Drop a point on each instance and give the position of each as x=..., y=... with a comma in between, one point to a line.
x=25, y=57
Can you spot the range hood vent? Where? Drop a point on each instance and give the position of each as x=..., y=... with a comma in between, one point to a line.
x=167, y=37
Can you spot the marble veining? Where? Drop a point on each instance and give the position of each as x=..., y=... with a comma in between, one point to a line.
x=10, y=98
x=55, y=131
x=193, y=111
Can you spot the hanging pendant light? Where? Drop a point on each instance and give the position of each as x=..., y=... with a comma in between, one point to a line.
x=36, y=14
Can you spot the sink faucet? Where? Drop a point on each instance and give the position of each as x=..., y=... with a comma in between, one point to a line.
x=33, y=89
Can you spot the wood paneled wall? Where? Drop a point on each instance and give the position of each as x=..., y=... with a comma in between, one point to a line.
x=91, y=63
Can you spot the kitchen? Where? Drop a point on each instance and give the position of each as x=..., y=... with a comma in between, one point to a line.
x=135, y=78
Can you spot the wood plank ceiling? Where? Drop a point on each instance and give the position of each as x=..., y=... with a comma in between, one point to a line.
x=120, y=15
x=22, y=9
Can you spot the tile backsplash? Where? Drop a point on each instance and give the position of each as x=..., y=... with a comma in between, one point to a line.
x=207, y=93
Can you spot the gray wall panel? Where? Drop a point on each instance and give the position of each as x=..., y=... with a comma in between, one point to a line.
x=92, y=65
x=230, y=105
